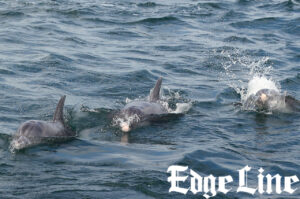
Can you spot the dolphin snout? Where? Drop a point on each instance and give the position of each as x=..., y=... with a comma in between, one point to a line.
x=263, y=101
x=263, y=97
x=125, y=127
x=20, y=143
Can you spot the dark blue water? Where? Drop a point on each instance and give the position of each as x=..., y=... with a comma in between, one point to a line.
x=99, y=53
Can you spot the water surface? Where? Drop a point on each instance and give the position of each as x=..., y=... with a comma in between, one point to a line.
x=99, y=53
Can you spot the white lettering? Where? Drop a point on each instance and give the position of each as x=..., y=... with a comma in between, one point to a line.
x=212, y=188
x=195, y=179
x=222, y=183
x=243, y=181
x=207, y=185
x=269, y=183
x=288, y=181
x=175, y=179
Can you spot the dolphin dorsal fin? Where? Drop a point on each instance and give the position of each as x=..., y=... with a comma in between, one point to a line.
x=59, y=112
x=154, y=95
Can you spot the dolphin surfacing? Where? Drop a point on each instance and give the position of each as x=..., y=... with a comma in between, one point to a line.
x=269, y=99
x=35, y=132
x=140, y=112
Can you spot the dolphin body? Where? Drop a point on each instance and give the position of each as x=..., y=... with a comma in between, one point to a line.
x=269, y=99
x=142, y=111
x=35, y=132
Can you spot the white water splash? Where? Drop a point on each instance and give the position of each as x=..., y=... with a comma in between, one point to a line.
x=21, y=142
x=239, y=69
x=258, y=83
x=276, y=101
x=128, y=100
x=167, y=97
x=180, y=107
x=125, y=120
x=247, y=75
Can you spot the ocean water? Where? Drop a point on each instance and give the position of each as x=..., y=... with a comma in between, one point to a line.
x=102, y=54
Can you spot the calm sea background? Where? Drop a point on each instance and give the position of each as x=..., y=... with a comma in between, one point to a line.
x=99, y=53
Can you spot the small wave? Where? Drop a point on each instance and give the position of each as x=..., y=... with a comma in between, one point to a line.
x=76, y=40
x=286, y=5
x=261, y=23
x=139, y=76
x=291, y=82
x=54, y=60
x=158, y=20
x=245, y=1
x=73, y=12
x=99, y=20
x=120, y=34
x=11, y=14
x=6, y=72
x=232, y=15
x=152, y=21
x=210, y=5
x=147, y=5
x=238, y=39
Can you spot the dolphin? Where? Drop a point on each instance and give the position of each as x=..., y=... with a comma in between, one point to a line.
x=35, y=132
x=140, y=112
x=269, y=99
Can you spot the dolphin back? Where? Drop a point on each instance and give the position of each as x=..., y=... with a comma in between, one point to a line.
x=59, y=115
x=154, y=95
x=292, y=103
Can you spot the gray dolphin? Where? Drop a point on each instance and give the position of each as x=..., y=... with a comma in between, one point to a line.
x=34, y=132
x=139, y=112
x=269, y=99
